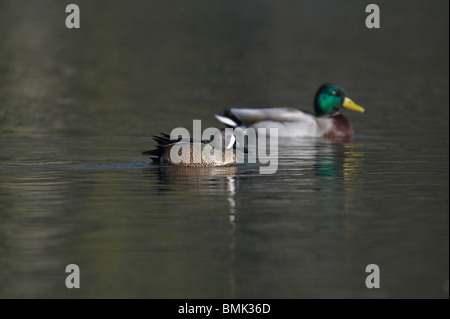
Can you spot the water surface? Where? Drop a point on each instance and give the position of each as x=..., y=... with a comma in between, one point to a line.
x=77, y=107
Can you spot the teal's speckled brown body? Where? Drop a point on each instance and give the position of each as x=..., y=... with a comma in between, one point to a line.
x=182, y=153
x=203, y=158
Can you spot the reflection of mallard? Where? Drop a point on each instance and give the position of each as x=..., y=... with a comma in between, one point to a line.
x=327, y=122
x=339, y=161
x=329, y=164
x=352, y=164
x=338, y=169
x=187, y=155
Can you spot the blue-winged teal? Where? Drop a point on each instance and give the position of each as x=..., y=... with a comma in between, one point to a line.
x=205, y=158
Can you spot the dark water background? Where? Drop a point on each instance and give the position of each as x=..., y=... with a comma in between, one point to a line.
x=78, y=106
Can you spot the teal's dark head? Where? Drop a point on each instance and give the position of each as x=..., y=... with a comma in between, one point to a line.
x=330, y=98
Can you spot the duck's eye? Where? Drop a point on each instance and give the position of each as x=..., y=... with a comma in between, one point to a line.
x=334, y=92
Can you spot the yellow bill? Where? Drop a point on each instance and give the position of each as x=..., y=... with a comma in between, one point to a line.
x=349, y=104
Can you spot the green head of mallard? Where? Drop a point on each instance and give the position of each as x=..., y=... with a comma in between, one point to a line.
x=330, y=98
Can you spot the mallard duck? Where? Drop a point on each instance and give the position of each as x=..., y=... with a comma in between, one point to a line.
x=188, y=156
x=326, y=122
